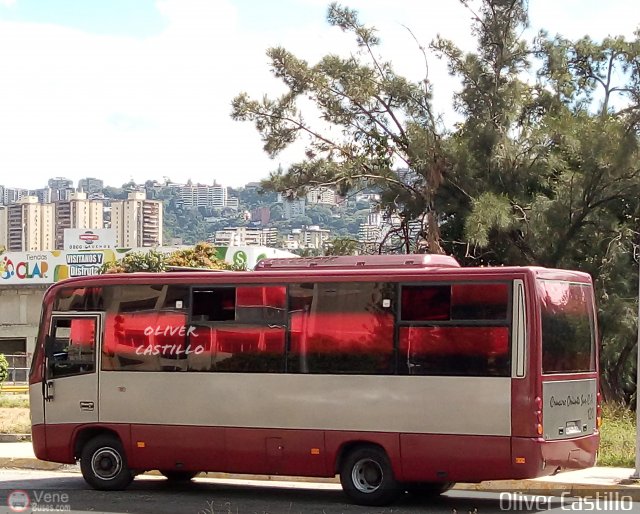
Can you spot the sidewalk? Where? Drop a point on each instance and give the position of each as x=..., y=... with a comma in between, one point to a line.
x=589, y=482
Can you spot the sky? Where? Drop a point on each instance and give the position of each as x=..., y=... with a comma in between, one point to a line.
x=142, y=89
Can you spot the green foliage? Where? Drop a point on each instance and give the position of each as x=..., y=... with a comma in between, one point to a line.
x=342, y=246
x=152, y=261
x=381, y=118
x=4, y=368
x=487, y=211
x=202, y=255
x=542, y=168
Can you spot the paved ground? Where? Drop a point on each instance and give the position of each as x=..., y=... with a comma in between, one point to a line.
x=584, y=483
x=58, y=490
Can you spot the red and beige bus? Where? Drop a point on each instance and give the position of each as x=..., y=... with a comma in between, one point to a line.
x=397, y=373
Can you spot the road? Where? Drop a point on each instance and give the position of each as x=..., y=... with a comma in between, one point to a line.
x=153, y=495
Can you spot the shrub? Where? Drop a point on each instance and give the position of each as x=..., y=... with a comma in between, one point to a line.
x=4, y=369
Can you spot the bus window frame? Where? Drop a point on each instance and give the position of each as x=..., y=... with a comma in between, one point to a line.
x=97, y=343
x=593, y=323
x=506, y=322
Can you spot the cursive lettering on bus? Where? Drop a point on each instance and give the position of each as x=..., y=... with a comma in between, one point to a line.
x=571, y=401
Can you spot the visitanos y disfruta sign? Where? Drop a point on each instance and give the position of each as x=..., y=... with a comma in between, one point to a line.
x=49, y=267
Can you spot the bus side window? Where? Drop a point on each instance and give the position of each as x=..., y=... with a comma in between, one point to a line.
x=73, y=345
x=459, y=329
x=214, y=304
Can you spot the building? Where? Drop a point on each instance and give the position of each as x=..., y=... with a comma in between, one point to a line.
x=60, y=183
x=61, y=189
x=308, y=237
x=30, y=226
x=261, y=215
x=368, y=197
x=90, y=185
x=137, y=221
x=3, y=227
x=232, y=203
x=200, y=195
x=371, y=231
x=369, y=234
x=323, y=196
x=44, y=194
x=246, y=236
x=12, y=195
x=292, y=208
x=77, y=212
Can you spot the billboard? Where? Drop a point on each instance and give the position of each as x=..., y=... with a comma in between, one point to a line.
x=52, y=266
x=89, y=239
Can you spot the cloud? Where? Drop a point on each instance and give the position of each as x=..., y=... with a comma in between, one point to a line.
x=77, y=104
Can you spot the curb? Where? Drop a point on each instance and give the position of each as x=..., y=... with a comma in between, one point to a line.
x=528, y=487
x=30, y=463
x=15, y=438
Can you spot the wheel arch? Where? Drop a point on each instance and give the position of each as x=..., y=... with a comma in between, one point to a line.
x=84, y=434
x=348, y=446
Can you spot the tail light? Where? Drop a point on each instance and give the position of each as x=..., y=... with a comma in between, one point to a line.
x=538, y=413
x=598, y=410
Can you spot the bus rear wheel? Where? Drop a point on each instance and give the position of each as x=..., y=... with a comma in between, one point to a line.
x=367, y=478
x=178, y=476
x=104, y=464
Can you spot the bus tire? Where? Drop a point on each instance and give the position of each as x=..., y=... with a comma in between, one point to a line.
x=104, y=464
x=367, y=477
x=428, y=489
x=174, y=475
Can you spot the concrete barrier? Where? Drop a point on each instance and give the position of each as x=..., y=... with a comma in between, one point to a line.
x=14, y=389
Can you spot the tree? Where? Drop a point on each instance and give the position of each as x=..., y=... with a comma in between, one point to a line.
x=342, y=246
x=383, y=118
x=543, y=168
x=202, y=255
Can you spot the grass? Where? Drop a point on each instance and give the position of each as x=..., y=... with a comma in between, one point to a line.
x=14, y=400
x=14, y=420
x=14, y=414
x=617, y=436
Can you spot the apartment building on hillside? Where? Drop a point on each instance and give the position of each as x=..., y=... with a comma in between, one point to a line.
x=30, y=226
x=77, y=212
x=137, y=221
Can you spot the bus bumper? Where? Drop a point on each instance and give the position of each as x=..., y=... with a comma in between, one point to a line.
x=535, y=457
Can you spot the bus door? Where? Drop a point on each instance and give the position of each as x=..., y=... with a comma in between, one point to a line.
x=71, y=377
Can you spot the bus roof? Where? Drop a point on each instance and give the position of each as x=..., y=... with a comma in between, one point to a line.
x=375, y=267
x=359, y=262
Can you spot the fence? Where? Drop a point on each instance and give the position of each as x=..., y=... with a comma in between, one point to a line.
x=18, y=369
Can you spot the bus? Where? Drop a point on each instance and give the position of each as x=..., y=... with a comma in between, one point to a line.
x=401, y=373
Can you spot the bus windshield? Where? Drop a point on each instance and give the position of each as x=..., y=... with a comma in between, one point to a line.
x=568, y=339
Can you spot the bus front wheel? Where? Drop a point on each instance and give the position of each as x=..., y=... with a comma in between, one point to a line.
x=367, y=478
x=104, y=464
